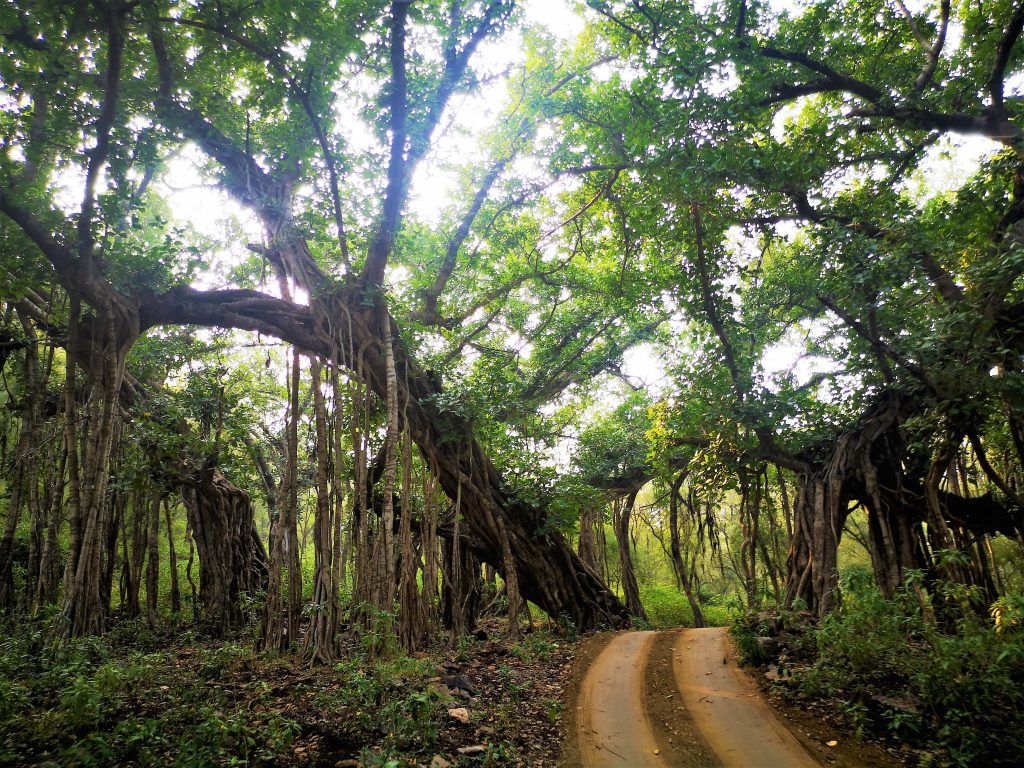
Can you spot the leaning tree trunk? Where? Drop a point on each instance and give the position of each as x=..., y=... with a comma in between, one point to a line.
x=508, y=531
x=232, y=561
x=339, y=325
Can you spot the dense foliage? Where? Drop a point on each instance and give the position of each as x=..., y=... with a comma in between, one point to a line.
x=337, y=325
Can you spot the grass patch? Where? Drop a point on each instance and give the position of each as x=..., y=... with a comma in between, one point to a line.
x=667, y=607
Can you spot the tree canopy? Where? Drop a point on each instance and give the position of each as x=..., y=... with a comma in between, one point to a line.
x=468, y=222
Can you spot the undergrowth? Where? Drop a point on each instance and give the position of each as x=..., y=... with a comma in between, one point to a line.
x=91, y=702
x=925, y=668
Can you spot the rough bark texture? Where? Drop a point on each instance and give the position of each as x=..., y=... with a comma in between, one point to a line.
x=232, y=561
x=321, y=636
x=870, y=464
x=587, y=546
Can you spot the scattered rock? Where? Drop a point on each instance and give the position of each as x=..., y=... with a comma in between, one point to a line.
x=832, y=743
x=776, y=675
x=475, y=749
x=459, y=713
x=349, y=762
x=437, y=684
x=459, y=682
x=439, y=762
x=768, y=644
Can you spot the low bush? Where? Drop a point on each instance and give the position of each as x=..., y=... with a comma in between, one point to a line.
x=955, y=691
x=87, y=703
x=668, y=607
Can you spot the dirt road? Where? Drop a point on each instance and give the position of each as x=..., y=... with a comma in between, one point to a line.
x=615, y=727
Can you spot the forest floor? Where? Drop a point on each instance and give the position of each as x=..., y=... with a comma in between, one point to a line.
x=145, y=701
x=143, y=698
x=679, y=698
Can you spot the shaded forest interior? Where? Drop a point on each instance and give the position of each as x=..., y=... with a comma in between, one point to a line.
x=349, y=334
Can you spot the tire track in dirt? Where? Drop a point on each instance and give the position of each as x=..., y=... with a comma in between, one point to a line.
x=721, y=717
x=612, y=728
x=727, y=709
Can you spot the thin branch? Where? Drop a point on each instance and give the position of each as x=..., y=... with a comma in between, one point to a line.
x=837, y=79
x=935, y=50
x=409, y=146
x=879, y=346
x=918, y=35
x=303, y=95
x=1002, y=58
x=455, y=243
x=990, y=472
x=98, y=155
x=398, y=106
x=950, y=292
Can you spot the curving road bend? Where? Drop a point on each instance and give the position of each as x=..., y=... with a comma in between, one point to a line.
x=614, y=728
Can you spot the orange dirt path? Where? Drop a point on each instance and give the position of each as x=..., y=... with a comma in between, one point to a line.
x=727, y=709
x=612, y=727
x=615, y=729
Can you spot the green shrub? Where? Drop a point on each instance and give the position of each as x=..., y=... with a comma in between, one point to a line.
x=717, y=615
x=958, y=694
x=536, y=645
x=80, y=703
x=390, y=697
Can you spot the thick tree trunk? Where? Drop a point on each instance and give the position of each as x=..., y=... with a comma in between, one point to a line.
x=587, y=546
x=111, y=339
x=460, y=585
x=814, y=550
x=321, y=636
x=232, y=561
x=630, y=588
